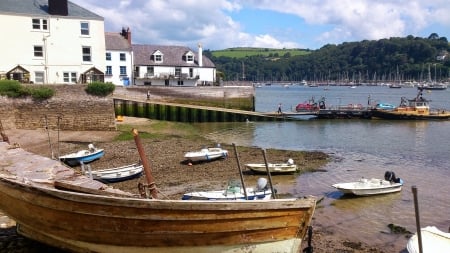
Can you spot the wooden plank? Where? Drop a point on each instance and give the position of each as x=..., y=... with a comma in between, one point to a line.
x=87, y=185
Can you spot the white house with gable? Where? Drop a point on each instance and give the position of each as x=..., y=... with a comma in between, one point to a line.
x=51, y=41
x=171, y=66
x=119, y=60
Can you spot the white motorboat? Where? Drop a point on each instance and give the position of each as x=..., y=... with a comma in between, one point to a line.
x=433, y=241
x=276, y=168
x=234, y=191
x=206, y=154
x=373, y=186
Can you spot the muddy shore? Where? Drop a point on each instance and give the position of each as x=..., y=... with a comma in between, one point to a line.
x=173, y=175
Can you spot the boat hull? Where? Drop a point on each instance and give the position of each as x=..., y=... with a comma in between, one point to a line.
x=433, y=241
x=223, y=195
x=206, y=155
x=75, y=159
x=368, y=187
x=403, y=115
x=275, y=168
x=83, y=222
x=119, y=174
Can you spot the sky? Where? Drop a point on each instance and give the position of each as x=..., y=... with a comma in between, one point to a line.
x=305, y=24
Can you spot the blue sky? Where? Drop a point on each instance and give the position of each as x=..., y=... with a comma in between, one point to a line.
x=308, y=24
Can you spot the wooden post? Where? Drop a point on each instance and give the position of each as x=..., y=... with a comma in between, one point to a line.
x=268, y=174
x=240, y=172
x=416, y=208
x=145, y=164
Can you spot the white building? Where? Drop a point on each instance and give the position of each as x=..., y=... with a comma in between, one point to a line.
x=119, y=61
x=51, y=41
x=171, y=66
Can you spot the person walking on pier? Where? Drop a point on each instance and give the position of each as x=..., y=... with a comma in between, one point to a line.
x=279, y=109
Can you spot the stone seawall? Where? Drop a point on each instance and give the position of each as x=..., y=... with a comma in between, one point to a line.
x=71, y=107
x=74, y=109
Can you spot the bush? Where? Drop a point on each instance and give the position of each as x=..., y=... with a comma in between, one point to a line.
x=42, y=93
x=14, y=89
x=11, y=88
x=100, y=89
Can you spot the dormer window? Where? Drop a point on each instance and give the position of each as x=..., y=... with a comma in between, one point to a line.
x=189, y=57
x=158, y=56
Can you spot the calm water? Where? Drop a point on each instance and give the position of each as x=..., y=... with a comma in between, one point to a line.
x=418, y=152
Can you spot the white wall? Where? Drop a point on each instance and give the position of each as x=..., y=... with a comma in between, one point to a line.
x=115, y=63
x=62, y=46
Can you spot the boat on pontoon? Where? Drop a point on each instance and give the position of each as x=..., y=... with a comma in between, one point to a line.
x=417, y=108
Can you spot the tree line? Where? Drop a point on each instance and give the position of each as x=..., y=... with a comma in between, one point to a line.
x=407, y=59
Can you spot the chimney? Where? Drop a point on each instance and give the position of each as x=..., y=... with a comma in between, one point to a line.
x=126, y=34
x=58, y=7
x=200, y=55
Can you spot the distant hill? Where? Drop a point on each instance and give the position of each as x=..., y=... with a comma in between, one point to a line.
x=242, y=52
x=407, y=58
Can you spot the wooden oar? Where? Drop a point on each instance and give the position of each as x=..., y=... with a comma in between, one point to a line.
x=146, y=164
x=240, y=171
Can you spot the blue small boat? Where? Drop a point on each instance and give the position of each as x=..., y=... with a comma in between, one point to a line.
x=384, y=106
x=82, y=156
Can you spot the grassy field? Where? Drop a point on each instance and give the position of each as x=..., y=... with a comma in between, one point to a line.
x=242, y=52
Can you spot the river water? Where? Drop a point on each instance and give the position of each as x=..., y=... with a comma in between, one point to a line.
x=417, y=151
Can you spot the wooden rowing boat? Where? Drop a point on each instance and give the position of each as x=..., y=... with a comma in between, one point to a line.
x=83, y=156
x=54, y=205
x=276, y=168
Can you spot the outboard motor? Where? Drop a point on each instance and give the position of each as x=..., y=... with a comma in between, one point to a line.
x=261, y=184
x=390, y=176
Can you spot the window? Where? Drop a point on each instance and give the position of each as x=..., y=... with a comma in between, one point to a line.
x=39, y=24
x=158, y=58
x=122, y=57
x=38, y=51
x=108, y=70
x=180, y=82
x=190, y=58
x=38, y=77
x=123, y=70
x=84, y=28
x=70, y=77
x=150, y=71
x=36, y=24
x=177, y=72
x=86, y=53
x=108, y=56
x=191, y=72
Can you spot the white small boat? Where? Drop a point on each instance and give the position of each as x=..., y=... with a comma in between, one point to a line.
x=373, y=186
x=206, y=154
x=234, y=191
x=83, y=156
x=433, y=241
x=117, y=174
x=276, y=168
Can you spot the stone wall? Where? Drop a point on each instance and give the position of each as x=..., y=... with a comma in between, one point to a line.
x=71, y=108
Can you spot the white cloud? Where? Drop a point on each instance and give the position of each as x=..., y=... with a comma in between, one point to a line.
x=188, y=22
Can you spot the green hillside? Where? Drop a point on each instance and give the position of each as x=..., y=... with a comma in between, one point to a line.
x=242, y=52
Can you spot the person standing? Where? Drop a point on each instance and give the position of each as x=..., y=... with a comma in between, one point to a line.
x=279, y=108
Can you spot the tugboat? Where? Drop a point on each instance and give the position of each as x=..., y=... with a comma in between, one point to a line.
x=417, y=108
